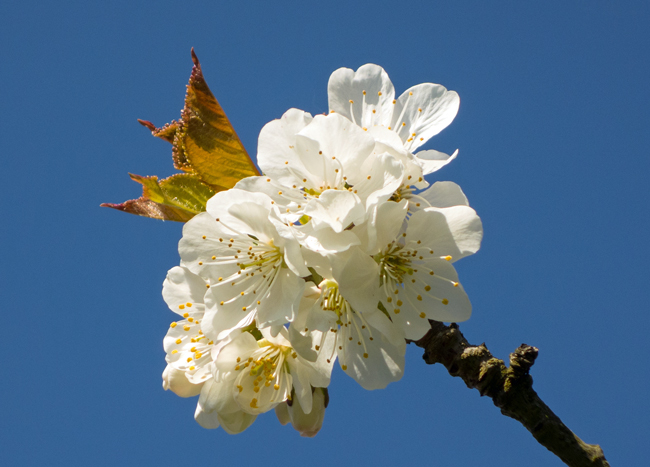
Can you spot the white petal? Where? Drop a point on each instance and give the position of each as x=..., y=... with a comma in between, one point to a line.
x=325, y=240
x=207, y=420
x=194, y=248
x=241, y=346
x=345, y=85
x=376, y=364
x=277, y=145
x=336, y=209
x=390, y=217
x=358, y=281
x=338, y=137
x=182, y=287
x=385, y=176
x=301, y=384
x=455, y=231
x=175, y=381
x=433, y=160
x=283, y=300
x=235, y=422
x=444, y=195
x=425, y=109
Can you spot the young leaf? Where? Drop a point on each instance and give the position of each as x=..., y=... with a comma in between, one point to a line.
x=206, y=141
x=177, y=198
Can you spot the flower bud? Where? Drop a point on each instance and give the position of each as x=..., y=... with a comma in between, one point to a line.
x=309, y=424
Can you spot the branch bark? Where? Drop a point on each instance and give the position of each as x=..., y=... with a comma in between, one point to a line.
x=511, y=390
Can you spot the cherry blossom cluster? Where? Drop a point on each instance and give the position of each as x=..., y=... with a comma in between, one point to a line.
x=340, y=252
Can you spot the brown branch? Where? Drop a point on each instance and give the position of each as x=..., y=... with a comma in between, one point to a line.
x=511, y=389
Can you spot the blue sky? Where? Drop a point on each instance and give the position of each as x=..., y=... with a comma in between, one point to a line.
x=553, y=138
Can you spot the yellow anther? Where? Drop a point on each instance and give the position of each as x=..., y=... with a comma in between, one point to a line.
x=238, y=359
x=276, y=387
x=374, y=111
x=331, y=111
x=178, y=341
x=173, y=325
x=369, y=177
x=423, y=315
x=427, y=287
x=445, y=301
x=241, y=388
x=189, y=359
x=181, y=306
x=254, y=404
x=192, y=368
x=419, y=297
x=237, y=367
x=197, y=355
x=379, y=93
x=268, y=179
x=344, y=367
x=200, y=263
x=431, y=273
x=186, y=328
x=185, y=315
x=389, y=299
x=220, y=279
x=419, y=110
x=190, y=319
x=242, y=294
x=203, y=237
x=317, y=347
x=399, y=303
x=396, y=310
x=411, y=93
x=394, y=102
x=365, y=355
x=294, y=355
x=279, y=192
x=286, y=162
x=174, y=351
x=403, y=123
x=389, y=128
x=243, y=308
x=455, y=284
x=365, y=129
x=364, y=92
x=188, y=305
x=351, y=101
x=448, y=258
x=256, y=389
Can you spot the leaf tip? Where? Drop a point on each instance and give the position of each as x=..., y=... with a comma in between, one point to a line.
x=113, y=206
x=148, y=124
x=195, y=59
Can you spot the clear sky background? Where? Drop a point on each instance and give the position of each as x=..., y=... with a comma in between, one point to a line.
x=554, y=156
